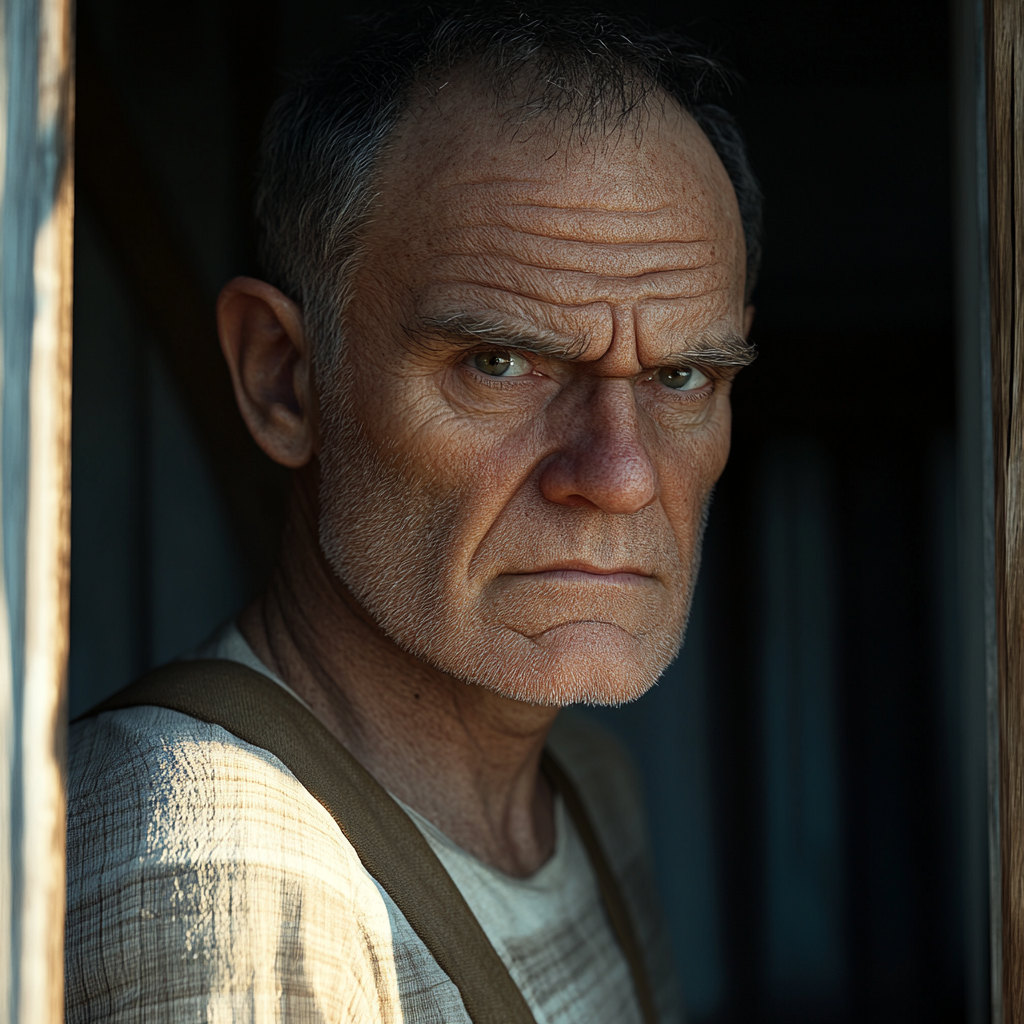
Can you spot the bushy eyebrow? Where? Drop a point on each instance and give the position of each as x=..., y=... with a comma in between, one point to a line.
x=464, y=330
x=720, y=347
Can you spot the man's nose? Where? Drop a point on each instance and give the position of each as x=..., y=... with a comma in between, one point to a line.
x=604, y=463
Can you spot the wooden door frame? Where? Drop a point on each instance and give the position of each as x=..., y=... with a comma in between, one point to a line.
x=36, y=242
x=1004, y=97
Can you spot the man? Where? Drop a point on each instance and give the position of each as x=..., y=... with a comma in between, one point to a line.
x=508, y=260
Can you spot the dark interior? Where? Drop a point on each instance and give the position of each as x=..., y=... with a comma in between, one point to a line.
x=804, y=758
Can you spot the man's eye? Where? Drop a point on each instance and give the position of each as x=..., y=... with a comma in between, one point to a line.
x=500, y=364
x=683, y=378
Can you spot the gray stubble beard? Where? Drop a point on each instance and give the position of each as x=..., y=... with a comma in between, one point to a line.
x=399, y=590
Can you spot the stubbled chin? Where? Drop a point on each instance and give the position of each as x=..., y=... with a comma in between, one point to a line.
x=576, y=663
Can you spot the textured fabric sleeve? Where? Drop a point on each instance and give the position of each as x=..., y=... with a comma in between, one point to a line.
x=610, y=787
x=205, y=884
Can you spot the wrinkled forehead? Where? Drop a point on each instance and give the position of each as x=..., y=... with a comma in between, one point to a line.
x=460, y=151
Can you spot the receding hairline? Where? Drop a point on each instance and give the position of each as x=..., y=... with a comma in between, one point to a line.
x=517, y=115
x=416, y=128
x=526, y=95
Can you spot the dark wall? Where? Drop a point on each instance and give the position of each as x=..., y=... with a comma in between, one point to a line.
x=829, y=633
x=801, y=758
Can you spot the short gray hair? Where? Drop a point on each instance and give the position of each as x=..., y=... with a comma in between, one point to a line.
x=323, y=138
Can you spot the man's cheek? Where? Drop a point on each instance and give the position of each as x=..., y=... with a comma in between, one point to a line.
x=480, y=472
x=687, y=473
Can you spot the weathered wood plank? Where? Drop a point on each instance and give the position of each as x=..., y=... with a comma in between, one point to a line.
x=1005, y=115
x=36, y=221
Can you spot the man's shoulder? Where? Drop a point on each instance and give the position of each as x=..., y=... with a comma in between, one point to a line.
x=158, y=783
x=144, y=748
x=201, y=874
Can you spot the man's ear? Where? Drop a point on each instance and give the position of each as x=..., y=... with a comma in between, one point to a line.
x=262, y=338
x=748, y=321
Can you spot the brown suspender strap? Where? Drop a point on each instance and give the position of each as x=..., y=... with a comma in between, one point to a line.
x=391, y=848
x=615, y=905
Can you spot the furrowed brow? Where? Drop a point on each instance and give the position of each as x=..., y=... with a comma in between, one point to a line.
x=464, y=331
x=721, y=349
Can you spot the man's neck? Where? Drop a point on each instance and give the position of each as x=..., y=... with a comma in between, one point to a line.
x=464, y=757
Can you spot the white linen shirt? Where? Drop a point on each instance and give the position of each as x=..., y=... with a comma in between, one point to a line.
x=206, y=884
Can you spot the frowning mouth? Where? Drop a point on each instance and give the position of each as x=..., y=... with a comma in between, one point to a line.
x=581, y=572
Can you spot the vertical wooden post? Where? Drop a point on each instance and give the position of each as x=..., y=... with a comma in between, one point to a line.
x=1005, y=115
x=36, y=221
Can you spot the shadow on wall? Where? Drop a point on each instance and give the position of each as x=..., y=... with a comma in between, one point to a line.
x=155, y=566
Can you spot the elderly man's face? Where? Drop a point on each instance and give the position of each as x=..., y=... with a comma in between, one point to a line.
x=521, y=438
